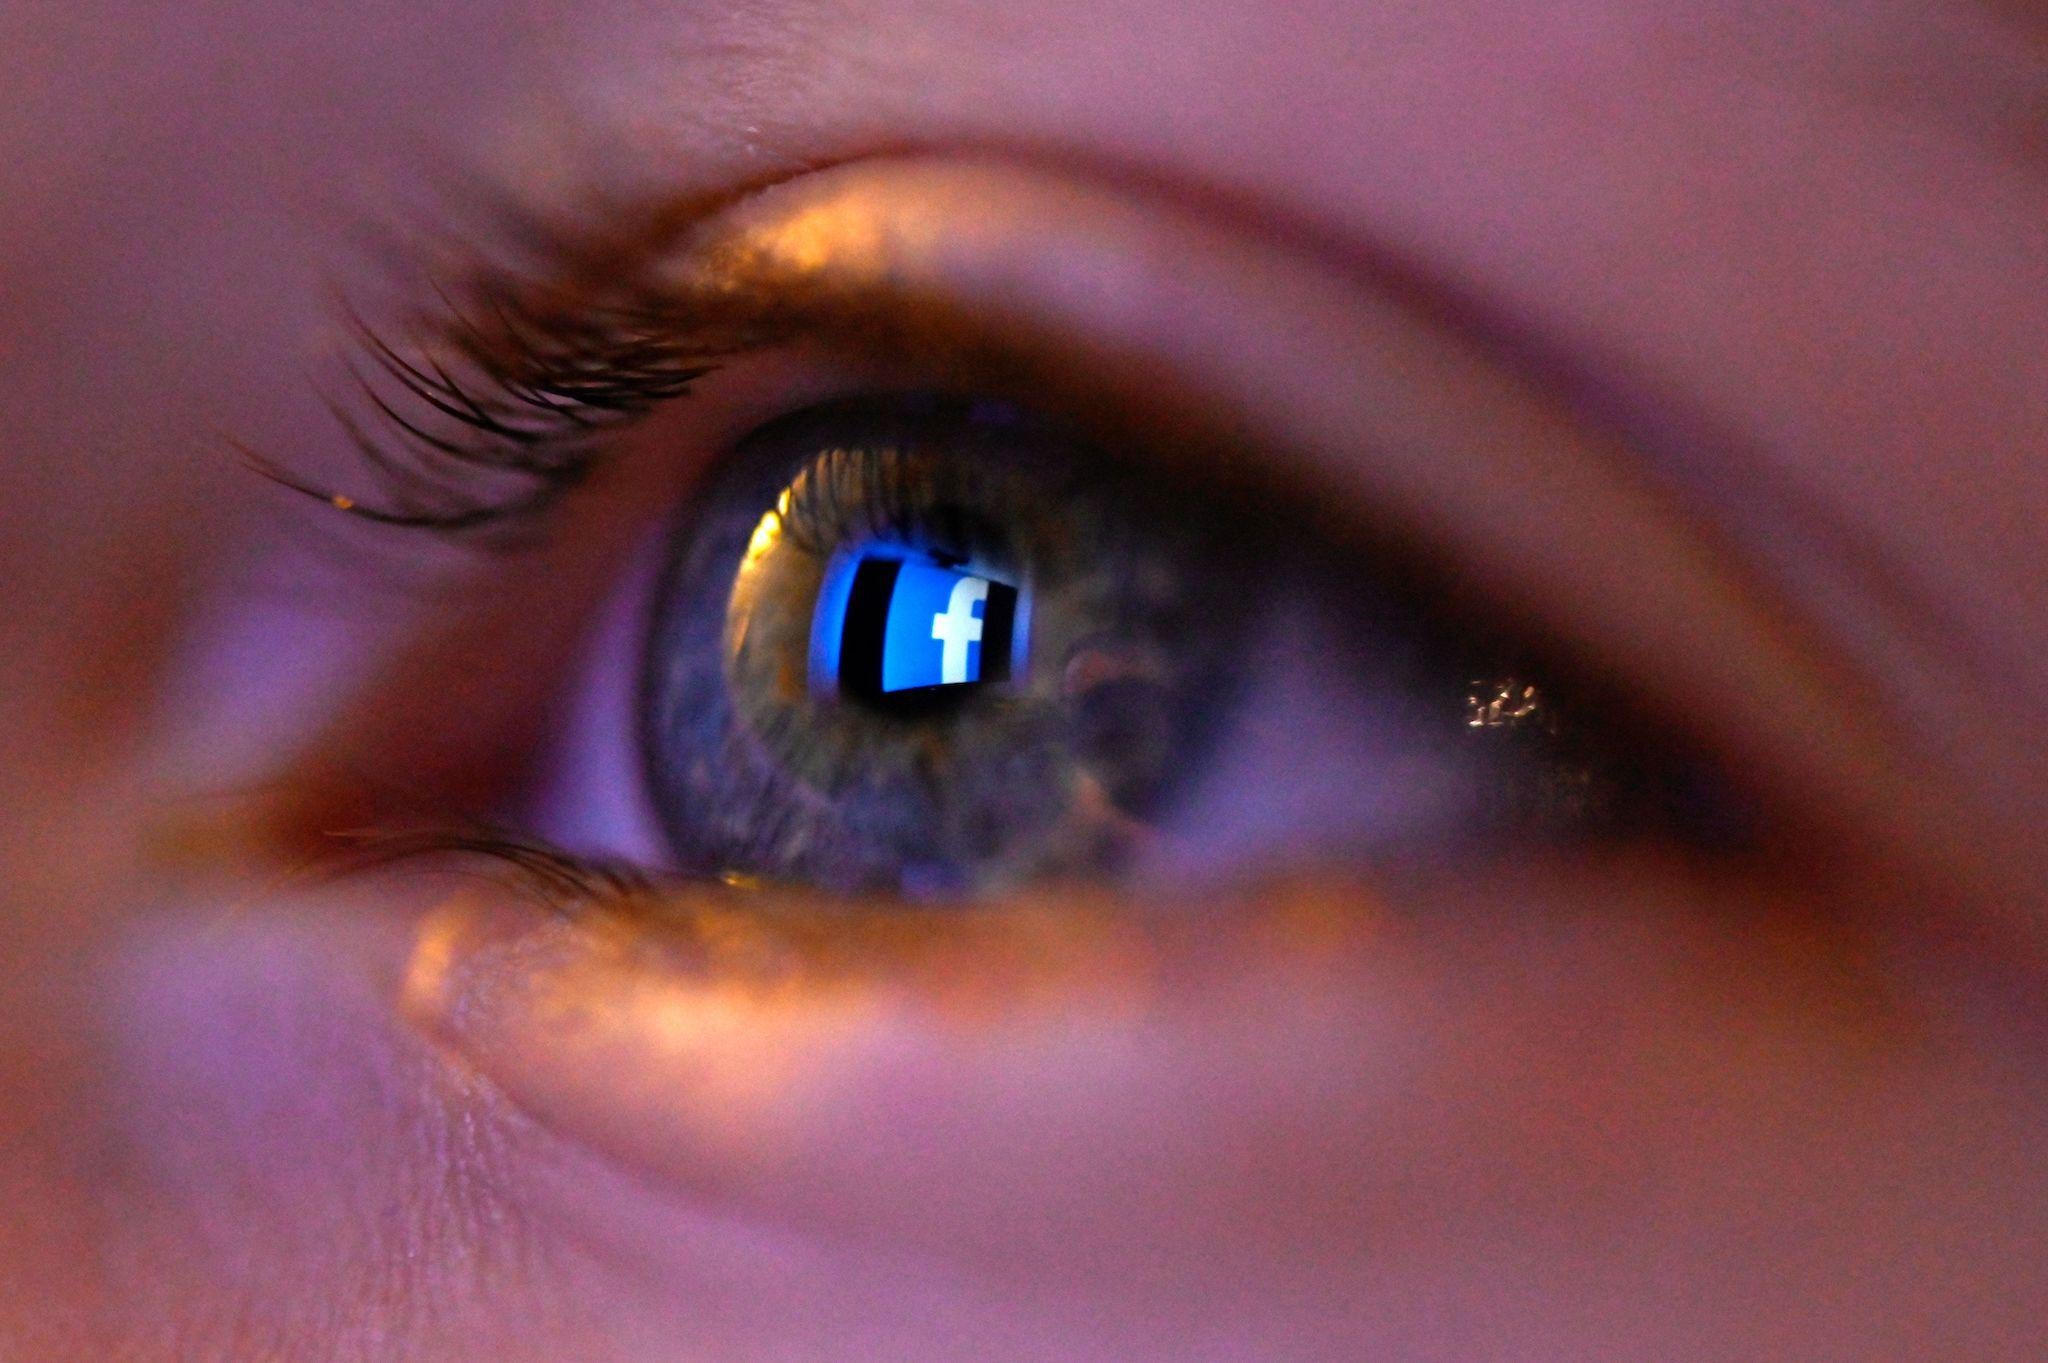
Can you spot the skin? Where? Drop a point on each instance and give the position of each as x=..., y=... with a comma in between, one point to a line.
x=1769, y=280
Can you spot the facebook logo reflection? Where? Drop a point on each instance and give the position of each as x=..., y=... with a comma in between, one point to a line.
x=906, y=624
x=957, y=628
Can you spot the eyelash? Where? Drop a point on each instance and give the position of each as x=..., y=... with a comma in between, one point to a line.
x=488, y=454
x=475, y=419
x=548, y=875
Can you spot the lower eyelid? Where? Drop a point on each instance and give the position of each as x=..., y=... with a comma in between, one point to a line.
x=813, y=1069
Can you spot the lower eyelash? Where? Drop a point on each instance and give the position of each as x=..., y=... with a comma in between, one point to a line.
x=546, y=874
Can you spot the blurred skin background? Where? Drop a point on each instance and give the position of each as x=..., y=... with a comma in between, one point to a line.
x=1710, y=341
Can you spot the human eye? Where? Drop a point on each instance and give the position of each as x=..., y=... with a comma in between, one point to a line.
x=925, y=626
x=1223, y=843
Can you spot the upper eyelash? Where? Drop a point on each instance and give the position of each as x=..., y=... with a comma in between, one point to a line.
x=482, y=413
x=499, y=446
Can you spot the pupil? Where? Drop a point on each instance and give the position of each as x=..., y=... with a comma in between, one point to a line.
x=896, y=627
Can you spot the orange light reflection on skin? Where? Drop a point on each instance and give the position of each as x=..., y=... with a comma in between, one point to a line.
x=833, y=236
x=731, y=1026
x=752, y=996
x=750, y=967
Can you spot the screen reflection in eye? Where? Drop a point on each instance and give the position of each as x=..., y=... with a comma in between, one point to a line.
x=890, y=620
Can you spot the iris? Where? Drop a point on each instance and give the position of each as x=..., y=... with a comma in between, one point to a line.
x=931, y=646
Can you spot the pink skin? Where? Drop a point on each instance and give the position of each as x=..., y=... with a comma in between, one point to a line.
x=1787, y=264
